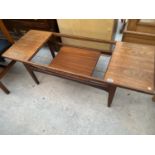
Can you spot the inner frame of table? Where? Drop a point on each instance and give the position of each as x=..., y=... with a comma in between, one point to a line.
x=28, y=46
x=132, y=66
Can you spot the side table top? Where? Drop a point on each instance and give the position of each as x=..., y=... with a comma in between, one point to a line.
x=27, y=46
x=132, y=66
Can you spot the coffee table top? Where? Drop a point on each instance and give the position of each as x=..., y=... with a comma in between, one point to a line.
x=132, y=66
x=27, y=46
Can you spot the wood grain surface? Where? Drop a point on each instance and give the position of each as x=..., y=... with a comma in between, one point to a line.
x=27, y=46
x=132, y=66
x=76, y=60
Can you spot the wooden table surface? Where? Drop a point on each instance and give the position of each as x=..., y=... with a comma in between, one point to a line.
x=132, y=66
x=76, y=60
x=27, y=46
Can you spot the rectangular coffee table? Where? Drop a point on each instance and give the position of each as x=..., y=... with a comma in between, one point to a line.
x=132, y=66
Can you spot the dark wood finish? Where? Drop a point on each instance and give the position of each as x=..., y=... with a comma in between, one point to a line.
x=51, y=49
x=132, y=67
x=2, y=86
x=31, y=73
x=6, y=68
x=18, y=25
x=71, y=63
x=26, y=47
x=76, y=60
x=89, y=80
x=111, y=94
x=5, y=32
x=153, y=98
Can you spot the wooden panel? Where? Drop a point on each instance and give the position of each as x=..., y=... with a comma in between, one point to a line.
x=139, y=37
x=146, y=28
x=27, y=24
x=132, y=24
x=141, y=25
x=5, y=32
x=146, y=25
x=92, y=28
x=132, y=66
x=76, y=60
x=26, y=47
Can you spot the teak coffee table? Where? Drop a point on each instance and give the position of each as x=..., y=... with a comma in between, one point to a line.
x=132, y=66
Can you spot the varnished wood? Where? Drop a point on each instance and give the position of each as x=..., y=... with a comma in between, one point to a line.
x=51, y=49
x=132, y=24
x=140, y=25
x=5, y=68
x=138, y=31
x=84, y=38
x=76, y=60
x=132, y=67
x=5, y=32
x=3, y=71
x=26, y=47
x=108, y=52
x=139, y=37
x=2, y=86
x=20, y=25
x=32, y=74
x=111, y=94
x=142, y=33
x=71, y=63
x=147, y=27
x=89, y=80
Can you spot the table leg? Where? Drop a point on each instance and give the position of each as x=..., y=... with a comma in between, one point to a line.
x=4, y=88
x=111, y=94
x=32, y=74
x=51, y=49
x=153, y=98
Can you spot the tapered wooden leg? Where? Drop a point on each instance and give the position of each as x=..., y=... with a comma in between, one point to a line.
x=32, y=74
x=112, y=90
x=4, y=88
x=51, y=49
